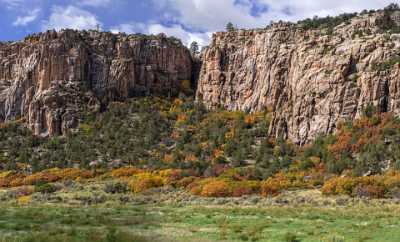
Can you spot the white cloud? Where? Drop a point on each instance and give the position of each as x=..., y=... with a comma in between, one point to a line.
x=130, y=28
x=177, y=31
x=309, y=8
x=212, y=15
x=12, y=3
x=24, y=20
x=70, y=17
x=94, y=3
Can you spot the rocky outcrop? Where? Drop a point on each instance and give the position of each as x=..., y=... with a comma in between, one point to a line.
x=309, y=79
x=49, y=79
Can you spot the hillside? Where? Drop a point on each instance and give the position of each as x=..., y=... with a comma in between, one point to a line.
x=285, y=133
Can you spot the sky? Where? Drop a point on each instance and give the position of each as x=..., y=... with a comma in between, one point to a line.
x=189, y=20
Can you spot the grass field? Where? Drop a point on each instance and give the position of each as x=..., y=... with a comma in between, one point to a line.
x=192, y=223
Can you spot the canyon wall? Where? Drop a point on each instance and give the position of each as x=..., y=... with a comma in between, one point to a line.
x=49, y=79
x=309, y=79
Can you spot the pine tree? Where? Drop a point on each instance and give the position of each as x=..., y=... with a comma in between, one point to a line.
x=230, y=27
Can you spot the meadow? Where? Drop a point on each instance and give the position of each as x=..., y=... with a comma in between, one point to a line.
x=112, y=222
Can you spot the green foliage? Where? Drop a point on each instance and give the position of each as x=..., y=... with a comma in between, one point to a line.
x=230, y=27
x=116, y=187
x=388, y=64
x=326, y=22
x=369, y=111
x=46, y=188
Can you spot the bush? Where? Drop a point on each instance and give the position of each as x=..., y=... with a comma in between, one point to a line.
x=46, y=188
x=216, y=188
x=223, y=187
x=144, y=181
x=370, y=191
x=273, y=186
x=281, y=181
x=125, y=172
x=171, y=176
x=116, y=187
x=372, y=186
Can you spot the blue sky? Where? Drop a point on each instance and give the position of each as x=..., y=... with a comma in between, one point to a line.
x=189, y=20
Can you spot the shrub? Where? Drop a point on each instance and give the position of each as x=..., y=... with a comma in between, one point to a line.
x=290, y=237
x=46, y=188
x=371, y=191
x=20, y=192
x=125, y=172
x=273, y=186
x=372, y=186
x=144, y=181
x=216, y=188
x=171, y=176
x=281, y=181
x=223, y=187
x=116, y=187
x=245, y=188
x=41, y=178
x=24, y=200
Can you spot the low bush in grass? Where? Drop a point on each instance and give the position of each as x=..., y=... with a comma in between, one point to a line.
x=171, y=176
x=290, y=180
x=14, y=179
x=371, y=186
x=46, y=188
x=144, y=181
x=223, y=187
x=116, y=187
x=125, y=172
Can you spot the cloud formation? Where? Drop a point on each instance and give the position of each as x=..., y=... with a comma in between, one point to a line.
x=26, y=19
x=94, y=3
x=176, y=30
x=70, y=17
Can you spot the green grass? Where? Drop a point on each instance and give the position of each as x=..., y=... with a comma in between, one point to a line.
x=165, y=223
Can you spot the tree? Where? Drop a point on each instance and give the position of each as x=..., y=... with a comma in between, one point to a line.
x=392, y=7
x=230, y=27
x=194, y=48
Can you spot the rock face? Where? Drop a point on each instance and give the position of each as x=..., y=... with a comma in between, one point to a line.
x=50, y=78
x=310, y=79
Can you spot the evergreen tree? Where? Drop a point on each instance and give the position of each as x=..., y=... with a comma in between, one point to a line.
x=230, y=27
x=194, y=48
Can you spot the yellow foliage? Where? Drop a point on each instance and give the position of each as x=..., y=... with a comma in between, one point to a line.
x=222, y=187
x=144, y=181
x=186, y=85
x=168, y=158
x=24, y=200
x=125, y=172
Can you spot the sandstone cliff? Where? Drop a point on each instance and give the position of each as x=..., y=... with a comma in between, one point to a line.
x=50, y=78
x=310, y=79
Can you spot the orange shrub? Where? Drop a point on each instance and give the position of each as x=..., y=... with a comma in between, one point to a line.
x=372, y=191
x=171, y=176
x=391, y=181
x=349, y=186
x=144, y=181
x=125, y=172
x=216, y=188
x=342, y=144
x=245, y=188
x=222, y=187
x=41, y=177
x=281, y=181
x=272, y=187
